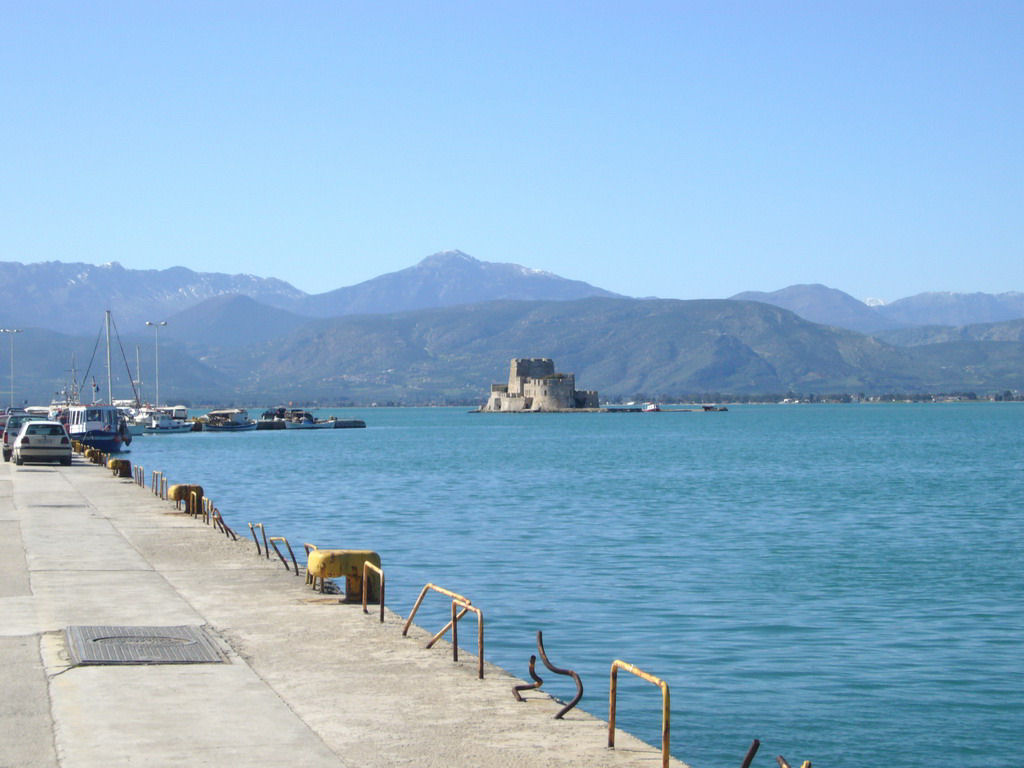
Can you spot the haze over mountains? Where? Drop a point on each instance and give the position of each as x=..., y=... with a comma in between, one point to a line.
x=444, y=329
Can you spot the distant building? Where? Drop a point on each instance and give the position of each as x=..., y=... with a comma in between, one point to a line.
x=533, y=385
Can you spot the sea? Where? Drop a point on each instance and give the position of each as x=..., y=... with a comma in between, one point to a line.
x=844, y=583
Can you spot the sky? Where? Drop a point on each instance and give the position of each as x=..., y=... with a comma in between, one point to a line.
x=674, y=149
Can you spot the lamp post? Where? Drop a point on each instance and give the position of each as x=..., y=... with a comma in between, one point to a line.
x=11, y=331
x=156, y=329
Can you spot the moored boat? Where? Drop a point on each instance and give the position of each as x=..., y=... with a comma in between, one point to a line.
x=228, y=420
x=161, y=423
x=99, y=426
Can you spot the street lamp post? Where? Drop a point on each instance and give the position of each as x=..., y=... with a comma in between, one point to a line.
x=156, y=329
x=11, y=331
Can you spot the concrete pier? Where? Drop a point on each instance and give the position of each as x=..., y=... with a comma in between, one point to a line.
x=307, y=680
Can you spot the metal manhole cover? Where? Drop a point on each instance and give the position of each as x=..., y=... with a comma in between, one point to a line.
x=141, y=645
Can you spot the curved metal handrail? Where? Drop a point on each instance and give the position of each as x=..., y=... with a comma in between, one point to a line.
x=368, y=566
x=479, y=633
x=273, y=541
x=427, y=588
x=559, y=671
x=665, y=705
x=538, y=681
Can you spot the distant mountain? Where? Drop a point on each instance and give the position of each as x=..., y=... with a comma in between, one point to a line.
x=824, y=305
x=71, y=298
x=632, y=348
x=47, y=364
x=229, y=321
x=828, y=306
x=954, y=309
x=1010, y=330
x=622, y=347
x=239, y=338
x=446, y=279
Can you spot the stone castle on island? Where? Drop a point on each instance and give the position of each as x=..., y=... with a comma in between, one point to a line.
x=534, y=386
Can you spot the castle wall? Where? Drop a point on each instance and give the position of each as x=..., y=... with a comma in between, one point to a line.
x=528, y=368
x=553, y=393
x=533, y=385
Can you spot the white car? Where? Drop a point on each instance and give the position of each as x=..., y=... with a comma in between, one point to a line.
x=42, y=441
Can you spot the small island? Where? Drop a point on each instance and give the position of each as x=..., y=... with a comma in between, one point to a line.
x=534, y=387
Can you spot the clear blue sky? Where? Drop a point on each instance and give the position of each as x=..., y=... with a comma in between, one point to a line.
x=675, y=149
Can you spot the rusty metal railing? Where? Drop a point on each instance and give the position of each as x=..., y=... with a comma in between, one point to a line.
x=310, y=578
x=273, y=542
x=368, y=566
x=665, y=705
x=458, y=602
x=559, y=671
x=750, y=754
x=538, y=681
x=139, y=473
x=154, y=483
x=479, y=634
x=218, y=521
x=266, y=547
x=423, y=592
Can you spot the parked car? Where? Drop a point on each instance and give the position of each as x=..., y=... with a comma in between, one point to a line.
x=42, y=441
x=13, y=427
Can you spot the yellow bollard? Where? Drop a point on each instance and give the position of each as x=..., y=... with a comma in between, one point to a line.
x=334, y=563
x=120, y=467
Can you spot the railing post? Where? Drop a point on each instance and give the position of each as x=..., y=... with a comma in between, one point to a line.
x=665, y=705
x=368, y=566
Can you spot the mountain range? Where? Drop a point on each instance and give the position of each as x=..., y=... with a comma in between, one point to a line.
x=821, y=304
x=444, y=329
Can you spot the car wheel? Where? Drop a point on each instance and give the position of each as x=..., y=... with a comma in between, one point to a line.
x=7, y=455
x=66, y=462
x=18, y=461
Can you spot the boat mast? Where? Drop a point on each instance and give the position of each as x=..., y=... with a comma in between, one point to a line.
x=110, y=386
x=138, y=378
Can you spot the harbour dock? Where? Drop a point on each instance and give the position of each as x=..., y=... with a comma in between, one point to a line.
x=295, y=676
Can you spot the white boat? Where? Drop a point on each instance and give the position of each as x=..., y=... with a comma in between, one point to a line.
x=297, y=419
x=650, y=408
x=161, y=423
x=228, y=420
x=134, y=422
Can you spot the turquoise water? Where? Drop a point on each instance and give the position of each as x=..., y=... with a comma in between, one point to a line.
x=844, y=583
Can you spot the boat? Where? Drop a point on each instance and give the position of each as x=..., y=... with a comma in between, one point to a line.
x=650, y=408
x=272, y=418
x=134, y=420
x=99, y=426
x=299, y=419
x=228, y=420
x=162, y=423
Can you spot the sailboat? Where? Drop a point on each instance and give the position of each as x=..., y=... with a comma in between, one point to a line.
x=100, y=425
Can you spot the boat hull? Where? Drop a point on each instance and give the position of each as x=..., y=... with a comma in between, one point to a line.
x=103, y=441
x=175, y=430
x=229, y=427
